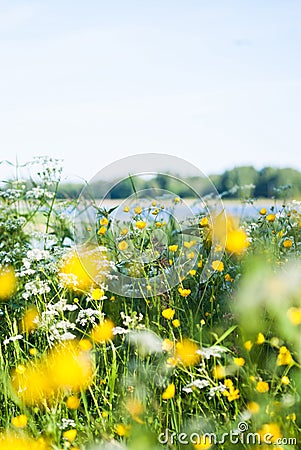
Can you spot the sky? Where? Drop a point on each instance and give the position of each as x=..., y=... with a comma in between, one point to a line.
x=217, y=83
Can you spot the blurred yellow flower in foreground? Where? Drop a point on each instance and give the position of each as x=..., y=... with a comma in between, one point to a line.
x=30, y=320
x=70, y=435
x=123, y=430
x=169, y=392
x=67, y=367
x=294, y=315
x=84, y=268
x=271, y=429
x=72, y=402
x=203, y=443
x=262, y=387
x=12, y=442
x=97, y=294
x=219, y=372
x=237, y=241
x=187, y=353
x=102, y=332
x=19, y=421
x=123, y=245
x=8, y=282
x=253, y=407
x=240, y=362
x=135, y=408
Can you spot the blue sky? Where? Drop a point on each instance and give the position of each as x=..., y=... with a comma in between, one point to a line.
x=215, y=82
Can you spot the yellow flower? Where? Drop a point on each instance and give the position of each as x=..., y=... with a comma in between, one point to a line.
x=138, y=210
x=262, y=387
x=123, y=430
x=260, y=339
x=177, y=199
x=97, y=294
x=19, y=422
x=155, y=211
x=231, y=393
x=284, y=357
x=8, y=282
x=263, y=211
x=287, y=243
x=123, y=245
x=126, y=209
x=70, y=435
x=271, y=429
x=217, y=265
x=102, y=230
x=167, y=345
x=173, y=248
x=204, y=222
x=33, y=351
x=30, y=320
x=13, y=442
x=73, y=402
x=219, y=372
x=294, y=315
x=168, y=313
x=203, y=443
x=291, y=417
x=169, y=392
x=248, y=345
x=124, y=231
x=103, y=332
x=240, y=362
x=187, y=353
x=154, y=203
x=176, y=323
x=271, y=217
x=200, y=263
x=85, y=345
x=285, y=380
x=190, y=255
x=237, y=241
x=192, y=272
x=184, y=292
x=140, y=224
x=135, y=408
x=253, y=407
x=104, y=221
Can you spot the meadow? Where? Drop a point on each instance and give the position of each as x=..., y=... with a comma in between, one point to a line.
x=147, y=332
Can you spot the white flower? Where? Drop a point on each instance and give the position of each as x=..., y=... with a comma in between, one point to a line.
x=215, y=351
x=220, y=388
x=12, y=339
x=200, y=384
x=120, y=330
x=146, y=341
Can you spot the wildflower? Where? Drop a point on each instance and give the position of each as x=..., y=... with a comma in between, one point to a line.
x=154, y=203
x=176, y=323
x=30, y=320
x=12, y=442
x=263, y=211
x=70, y=435
x=126, y=209
x=291, y=417
x=237, y=241
x=104, y=221
x=187, y=353
x=284, y=357
x=200, y=264
x=231, y=393
x=8, y=282
x=123, y=430
x=138, y=210
x=217, y=265
x=203, y=443
x=190, y=255
x=167, y=345
x=228, y=277
x=124, y=231
x=219, y=372
x=240, y=362
x=33, y=351
x=204, y=222
x=19, y=421
x=253, y=407
x=177, y=199
x=102, y=230
x=184, y=292
x=103, y=332
x=192, y=272
x=168, y=313
x=248, y=345
x=262, y=387
x=140, y=224
x=271, y=217
x=85, y=345
x=294, y=315
x=285, y=380
x=97, y=294
x=260, y=339
x=287, y=243
x=135, y=408
x=155, y=211
x=173, y=248
x=169, y=392
x=123, y=245
x=271, y=429
x=73, y=402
